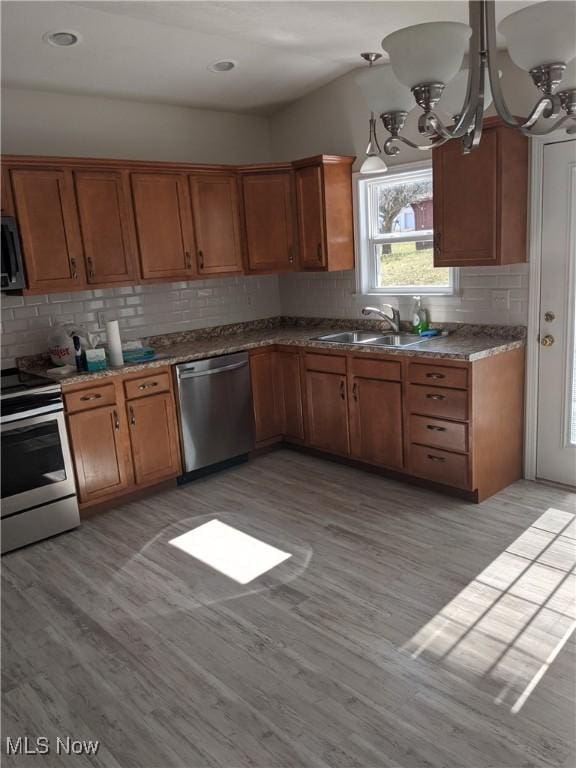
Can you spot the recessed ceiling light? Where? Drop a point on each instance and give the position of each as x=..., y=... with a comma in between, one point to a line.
x=222, y=66
x=63, y=38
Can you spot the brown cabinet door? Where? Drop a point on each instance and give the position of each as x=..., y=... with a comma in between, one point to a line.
x=465, y=203
x=163, y=225
x=327, y=411
x=100, y=451
x=103, y=207
x=290, y=394
x=310, y=208
x=154, y=438
x=48, y=222
x=263, y=374
x=376, y=421
x=216, y=212
x=269, y=221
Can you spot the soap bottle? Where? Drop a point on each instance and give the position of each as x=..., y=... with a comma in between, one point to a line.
x=419, y=320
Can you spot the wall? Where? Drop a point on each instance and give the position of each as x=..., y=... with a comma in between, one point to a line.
x=143, y=310
x=35, y=122
x=334, y=120
x=49, y=123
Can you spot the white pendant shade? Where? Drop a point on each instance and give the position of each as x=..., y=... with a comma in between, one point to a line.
x=543, y=33
x=382, y=91
x=427, y=53
x=454, y=94
x=373, y=164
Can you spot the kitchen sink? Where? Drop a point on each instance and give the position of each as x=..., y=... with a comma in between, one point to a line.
x=371, y=339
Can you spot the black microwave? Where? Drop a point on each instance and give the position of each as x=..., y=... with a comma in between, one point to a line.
x=12, y=277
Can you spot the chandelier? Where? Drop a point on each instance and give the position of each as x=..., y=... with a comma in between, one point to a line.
x=426, y=59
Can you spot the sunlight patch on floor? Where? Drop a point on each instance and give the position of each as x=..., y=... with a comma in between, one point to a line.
x=235, y=554
x=509, y=624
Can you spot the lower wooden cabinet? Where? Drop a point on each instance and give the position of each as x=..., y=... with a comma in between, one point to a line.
x=265, y=395
x=289, y=389
x=101, y=452
x=154, y=438
x=123, y=434
x=327, y=403
x=376, y=421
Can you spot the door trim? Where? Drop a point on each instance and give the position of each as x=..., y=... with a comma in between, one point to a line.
x=537, y=144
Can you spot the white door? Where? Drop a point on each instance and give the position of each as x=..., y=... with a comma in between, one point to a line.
x=556, y=441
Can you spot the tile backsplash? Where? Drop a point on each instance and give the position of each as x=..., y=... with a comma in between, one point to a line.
x=142, y=310
x=487, y=295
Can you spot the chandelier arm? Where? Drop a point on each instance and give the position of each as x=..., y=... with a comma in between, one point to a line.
x=390, y=147
x=476, y=69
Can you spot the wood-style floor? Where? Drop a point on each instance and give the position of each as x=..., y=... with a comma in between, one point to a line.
x=407, y=629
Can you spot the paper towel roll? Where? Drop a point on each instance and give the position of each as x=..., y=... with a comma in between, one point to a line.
x=114, y=343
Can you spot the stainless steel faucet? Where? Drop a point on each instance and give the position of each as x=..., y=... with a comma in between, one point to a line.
x=393, y=322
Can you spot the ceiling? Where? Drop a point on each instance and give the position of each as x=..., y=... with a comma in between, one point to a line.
x=159, y=51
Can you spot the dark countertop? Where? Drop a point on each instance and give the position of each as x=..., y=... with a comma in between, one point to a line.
x=457, y=346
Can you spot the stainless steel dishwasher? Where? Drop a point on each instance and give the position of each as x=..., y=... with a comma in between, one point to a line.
x=215, y=403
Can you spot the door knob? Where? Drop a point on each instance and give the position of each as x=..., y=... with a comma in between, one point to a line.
x=547, y=340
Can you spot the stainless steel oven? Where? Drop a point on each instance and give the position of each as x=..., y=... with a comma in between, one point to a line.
x=37, y=484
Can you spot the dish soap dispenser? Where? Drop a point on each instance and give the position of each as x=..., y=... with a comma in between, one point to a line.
x=418, y=315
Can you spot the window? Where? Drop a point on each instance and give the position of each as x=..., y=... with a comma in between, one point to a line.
x=395, y=235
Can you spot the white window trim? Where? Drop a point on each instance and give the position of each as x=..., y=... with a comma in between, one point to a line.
x=364, y=263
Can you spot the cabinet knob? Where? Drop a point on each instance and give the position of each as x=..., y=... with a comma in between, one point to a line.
x=291, y=254
x=436, y=397
x=435, y=376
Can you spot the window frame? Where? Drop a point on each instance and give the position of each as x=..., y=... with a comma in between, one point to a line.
x=364, y=213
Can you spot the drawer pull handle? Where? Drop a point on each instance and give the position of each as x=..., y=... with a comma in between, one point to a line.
x=91, y=397
x=132, y=417
x=436, y=397
x=73, y=268
x=435, y=458
x=291, y=254
x=201, y=259
x=188, y=259
x=116, y=420
x=435, y=428
x=355, y=391
x=90, y=267
x=435, y=376
x=148, y=385
x=342, y=390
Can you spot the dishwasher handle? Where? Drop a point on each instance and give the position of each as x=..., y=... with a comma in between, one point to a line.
x=191, y=374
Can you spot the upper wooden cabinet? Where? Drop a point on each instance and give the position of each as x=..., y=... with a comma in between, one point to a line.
x=47, y=217
x=216, y=211
x=324, y=208
x=163, y=219
x=269, y=221
x=88, y=222
x=104, y=211
x=480, y=200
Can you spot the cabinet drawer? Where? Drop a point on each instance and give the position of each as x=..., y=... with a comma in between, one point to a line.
x=91, y=397
x=444, y=434
x=439, y=466
x=386, y=370
x=325, y=363
x=147, y=385
x=436, y=401
x=438, y=375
